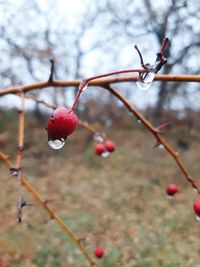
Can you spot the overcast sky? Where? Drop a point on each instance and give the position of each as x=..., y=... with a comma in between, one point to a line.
x=70, y=12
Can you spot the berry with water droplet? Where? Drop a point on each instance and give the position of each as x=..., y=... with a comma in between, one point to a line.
x=99, y=252
x=56, y=144
x=172, y=189
x=110, y=146
x=196, y=207
x=99, y=149
x=62, y=123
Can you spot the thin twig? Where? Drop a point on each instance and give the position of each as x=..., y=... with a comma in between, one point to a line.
x=141, y=57
x=20, y=133
x=20, y=149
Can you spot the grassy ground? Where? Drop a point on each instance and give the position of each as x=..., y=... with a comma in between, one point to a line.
x=117, y=202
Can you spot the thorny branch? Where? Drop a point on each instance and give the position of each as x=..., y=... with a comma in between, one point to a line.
x=50, y=211
x=159, y=138
x=20, y=148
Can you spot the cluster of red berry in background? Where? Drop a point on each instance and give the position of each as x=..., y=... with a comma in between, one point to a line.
x=107, y=146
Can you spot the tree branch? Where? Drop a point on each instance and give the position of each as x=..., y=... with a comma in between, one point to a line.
x=100, y=82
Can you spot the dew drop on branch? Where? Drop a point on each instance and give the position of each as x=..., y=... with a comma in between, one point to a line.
x=161, y=146
x=85, y=86
x=56, y=144
x=145, y=82
x=194, y=189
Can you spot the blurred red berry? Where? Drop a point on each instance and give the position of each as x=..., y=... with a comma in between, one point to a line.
x=196, y=207
x=172, y=189
x=99, y=252
x=99, y=149
x=2, y=263
x=62, y=123
x=110, y=146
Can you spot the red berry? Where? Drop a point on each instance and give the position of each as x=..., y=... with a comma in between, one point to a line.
x=62, y=123
x=172, y=189
x=110, y=146
x=99, y=252
x=99, y=149
x=196, y=207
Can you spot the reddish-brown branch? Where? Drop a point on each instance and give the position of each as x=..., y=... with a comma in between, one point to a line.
x=156, y=133
x=140, y=56
x=84, y=124
x=50, y=211
x=100, y=82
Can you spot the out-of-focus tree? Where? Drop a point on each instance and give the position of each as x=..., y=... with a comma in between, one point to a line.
x=99, y=38
x=154, y=20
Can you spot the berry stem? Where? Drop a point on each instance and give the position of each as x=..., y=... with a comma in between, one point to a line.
x=86, y=81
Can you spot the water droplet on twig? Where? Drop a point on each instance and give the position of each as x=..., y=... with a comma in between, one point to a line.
x=198, y=218
x=145, y=81
x=194, y=189
x=83, y=83
x=161, y=146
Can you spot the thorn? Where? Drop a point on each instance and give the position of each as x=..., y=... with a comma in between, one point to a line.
x=52, y=71
x=161, y=127
x=25, y=203
x=14, y=171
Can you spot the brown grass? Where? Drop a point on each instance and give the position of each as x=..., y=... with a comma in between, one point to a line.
x=118, y=202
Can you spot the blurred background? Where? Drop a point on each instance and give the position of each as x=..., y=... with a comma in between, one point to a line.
x=118, y=202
